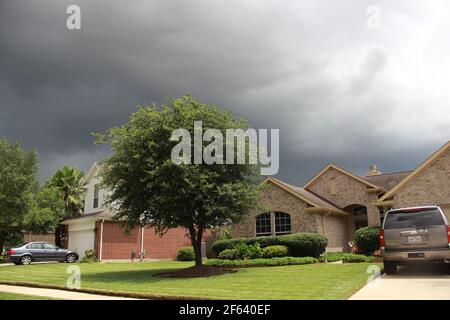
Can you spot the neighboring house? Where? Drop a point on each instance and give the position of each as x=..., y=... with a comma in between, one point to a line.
x=336, y=202
x=97, y=229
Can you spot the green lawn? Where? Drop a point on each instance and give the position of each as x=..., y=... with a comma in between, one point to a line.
x=314, y=281
x=16, y=296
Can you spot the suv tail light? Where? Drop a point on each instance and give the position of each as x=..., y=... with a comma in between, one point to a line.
x=448, y=234
x=10, y=252
x=382, y=243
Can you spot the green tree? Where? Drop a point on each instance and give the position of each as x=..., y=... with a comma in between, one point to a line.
x=69, y=182
x=46, y=212
x=148, y=188
x=18, y=170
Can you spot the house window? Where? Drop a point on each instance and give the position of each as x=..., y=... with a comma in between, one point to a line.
x=96, y=193
x=273, y=223
x=282, y=223
x=263, y=225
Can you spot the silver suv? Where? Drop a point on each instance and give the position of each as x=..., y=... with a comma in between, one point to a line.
x=411, y=235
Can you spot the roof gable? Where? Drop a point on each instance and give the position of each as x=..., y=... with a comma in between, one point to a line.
x=416, y=171
x=91, y=173
x=305, y=196
x=347, y=173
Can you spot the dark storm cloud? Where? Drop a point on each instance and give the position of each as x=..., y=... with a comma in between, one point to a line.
x=338, y=91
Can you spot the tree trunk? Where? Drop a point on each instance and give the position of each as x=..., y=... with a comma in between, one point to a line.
x=2, y=243
x=58, y=233
x=196, y=241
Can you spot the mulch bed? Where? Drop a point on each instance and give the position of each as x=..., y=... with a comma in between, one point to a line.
x=195, y=272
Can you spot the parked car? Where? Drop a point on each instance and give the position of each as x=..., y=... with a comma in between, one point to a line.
x=40, y=251
x=413, y=235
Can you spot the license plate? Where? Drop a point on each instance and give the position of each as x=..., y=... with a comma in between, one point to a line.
x=414, y=239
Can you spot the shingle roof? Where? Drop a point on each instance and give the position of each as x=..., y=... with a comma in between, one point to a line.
x=387, y=180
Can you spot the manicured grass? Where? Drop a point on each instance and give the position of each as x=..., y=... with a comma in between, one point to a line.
x=16, y=296
x=314, y=281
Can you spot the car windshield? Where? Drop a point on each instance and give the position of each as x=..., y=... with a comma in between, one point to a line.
x=413, y=218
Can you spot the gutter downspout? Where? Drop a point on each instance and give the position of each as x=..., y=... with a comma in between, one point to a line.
x=101, y=241
x=323, y=230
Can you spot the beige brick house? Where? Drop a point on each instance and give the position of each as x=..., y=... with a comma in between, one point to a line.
x=336, y=202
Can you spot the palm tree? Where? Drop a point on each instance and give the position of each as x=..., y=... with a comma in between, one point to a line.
x=69, y=182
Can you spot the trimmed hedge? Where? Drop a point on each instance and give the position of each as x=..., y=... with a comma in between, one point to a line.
x=352, y=258
x=332, y=256
x=285, y=261
x=345, y=257
x=368, y=239
x=277, y=251
x=299, y=244
x=186, y=254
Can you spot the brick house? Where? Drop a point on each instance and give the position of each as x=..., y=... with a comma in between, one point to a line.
x=97, y=229
x=336, y=202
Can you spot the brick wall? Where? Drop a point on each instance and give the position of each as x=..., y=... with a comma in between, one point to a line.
x=118, y=244
x=277, y=199
x=349, y=191
x=431, y=186
x=48, y=237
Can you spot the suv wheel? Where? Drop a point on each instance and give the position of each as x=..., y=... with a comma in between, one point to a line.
x=390, y=267
x=71, y=258
x=25, y=260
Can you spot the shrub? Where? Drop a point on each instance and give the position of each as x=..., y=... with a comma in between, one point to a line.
x=284, y=261
x=367, y=239
x=299, y=244
x=2, y=259
x=352, y=258
x=228, y=254
x=244, y=251
x=186, y=254
x=333, y=256
x=275, y=251
x=89, y=257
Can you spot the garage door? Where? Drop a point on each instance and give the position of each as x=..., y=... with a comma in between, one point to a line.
x=81, y=241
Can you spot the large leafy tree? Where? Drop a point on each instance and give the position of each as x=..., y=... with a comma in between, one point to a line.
x=148, y=188
x=69, y=183
x=18, y=170
x=46, y=210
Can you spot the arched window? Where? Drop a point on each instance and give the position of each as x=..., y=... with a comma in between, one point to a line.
x=263, y=225
x=282, y=223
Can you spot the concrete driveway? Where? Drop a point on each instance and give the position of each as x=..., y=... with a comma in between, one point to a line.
x=410, y=283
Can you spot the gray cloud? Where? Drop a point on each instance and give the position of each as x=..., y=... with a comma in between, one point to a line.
x=338, y=91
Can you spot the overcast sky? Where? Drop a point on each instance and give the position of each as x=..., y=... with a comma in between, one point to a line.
x=341, y=85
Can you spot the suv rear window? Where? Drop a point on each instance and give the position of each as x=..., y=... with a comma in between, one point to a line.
x=412, y=219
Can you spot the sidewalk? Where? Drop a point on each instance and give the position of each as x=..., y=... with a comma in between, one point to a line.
x=57, y=294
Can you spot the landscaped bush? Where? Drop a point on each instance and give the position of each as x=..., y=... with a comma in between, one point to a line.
x=352, y=258
x=244, y=251
x=368, y=239
x=332, y=256
x=345, y=257
x=228, y=254
x=275, y=252
x=89, y=256
x=186, y=254
x=2, y=259
x=299, y=244
x=261, y=262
